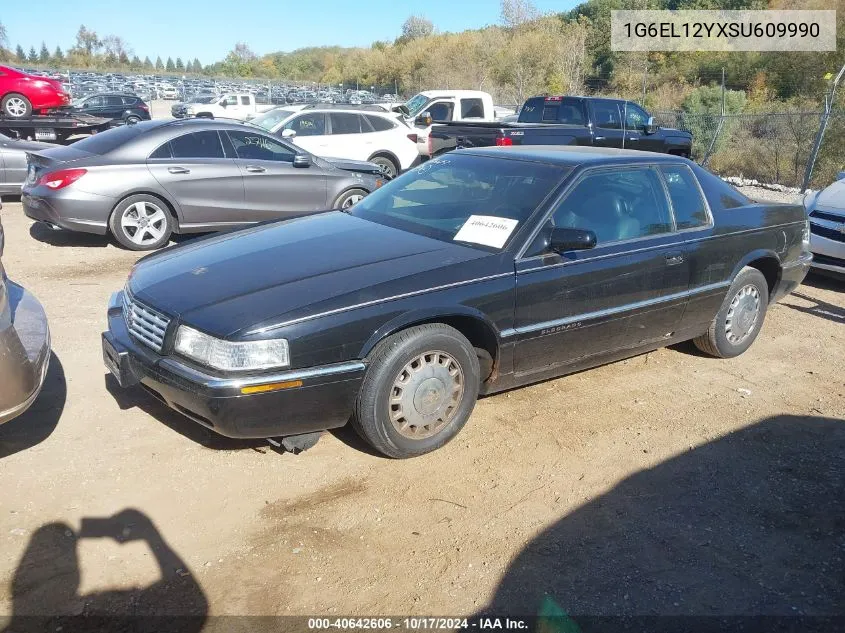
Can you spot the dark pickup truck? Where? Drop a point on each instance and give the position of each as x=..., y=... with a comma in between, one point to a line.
x=590, y=121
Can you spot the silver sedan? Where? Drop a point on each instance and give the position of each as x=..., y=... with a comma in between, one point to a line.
x=826, y=210
x=143, y=182
x=13, y=162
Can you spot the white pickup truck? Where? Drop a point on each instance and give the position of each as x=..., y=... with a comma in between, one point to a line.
x=240, y=105
x=439, y=106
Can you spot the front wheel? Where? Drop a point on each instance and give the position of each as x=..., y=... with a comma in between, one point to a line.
x=141, y=223
x=419, y=390
x=739, y=320
x=388, y=167
x=16, y=106
x=349, y=198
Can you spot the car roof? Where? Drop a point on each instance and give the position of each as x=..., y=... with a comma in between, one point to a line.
x=453, y=93
x=572, y=156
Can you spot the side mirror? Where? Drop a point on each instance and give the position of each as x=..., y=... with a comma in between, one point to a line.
x=424, y=119
x=288, y=133
x=302, y=160
x=565, y=239
x=650, y=126
x=223, y=104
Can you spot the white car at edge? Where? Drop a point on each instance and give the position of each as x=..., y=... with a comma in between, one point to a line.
x=356, y=133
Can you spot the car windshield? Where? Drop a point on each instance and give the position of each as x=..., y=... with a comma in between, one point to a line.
x=476, y=200
x=269, y=120
x=416, y=103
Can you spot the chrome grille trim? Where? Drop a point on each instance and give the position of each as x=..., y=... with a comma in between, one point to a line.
x=144, y=323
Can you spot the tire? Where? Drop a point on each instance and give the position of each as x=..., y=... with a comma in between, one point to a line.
x=132, y=120
x=349, y=198
x=387, y=164
x=735, y=327
x=125, y=226
x=438, y=351
x=16, y=106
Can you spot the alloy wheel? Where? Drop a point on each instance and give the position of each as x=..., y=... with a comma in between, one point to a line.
x=426, y=395
x=743, y=313
x=351, y=201
x=144, y=223
x=16, y=107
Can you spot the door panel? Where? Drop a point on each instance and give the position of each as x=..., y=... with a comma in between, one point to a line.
x=607, y=123
x=272, y=185
x=631, y=289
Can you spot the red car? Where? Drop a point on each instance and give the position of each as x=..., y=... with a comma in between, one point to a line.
x=22, y=94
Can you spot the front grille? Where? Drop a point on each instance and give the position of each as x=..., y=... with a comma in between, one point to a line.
x=831, y=234
x=827, y=260
x=824, y=215
x=145, y=324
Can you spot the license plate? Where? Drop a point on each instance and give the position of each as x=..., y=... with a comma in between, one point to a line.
x=118, y=364
x=45, y=134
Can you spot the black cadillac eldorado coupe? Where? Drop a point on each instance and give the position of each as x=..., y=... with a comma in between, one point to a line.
x=480, y=271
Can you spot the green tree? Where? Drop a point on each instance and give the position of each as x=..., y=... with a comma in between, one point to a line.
x=148, y=64
x=20, y=54
x=87, y=41
x=123, y=58
x=44, y=55
x=170, y=66
x=58, y=55
x=180, y=65
x=189, y=67
x=197, y=66
x=159, y=64
x=135, y=63
x=4, y=36
x=32, y=58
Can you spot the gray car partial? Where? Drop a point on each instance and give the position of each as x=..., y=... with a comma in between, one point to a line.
x=24, y=346
x=13, y=162
x=142, y=182
x=826, y=211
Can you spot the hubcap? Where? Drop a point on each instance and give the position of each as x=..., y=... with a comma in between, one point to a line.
x=387, y=167
x=426, y=394
x=144, y=223
x=16, y=106
x=352, y=200
x=742, y=314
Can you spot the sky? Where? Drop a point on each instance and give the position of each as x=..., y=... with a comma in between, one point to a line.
x=209, y=29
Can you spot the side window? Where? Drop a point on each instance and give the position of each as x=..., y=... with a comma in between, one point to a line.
x=312, y=124
x=94, y=102
x=197, y=145
x=230, y=100
x=472, y=109
x=130, y=101
x=606, y=115
x=259, y=147
x=635, y=117
x=244, y=100
x=440, y=111
x=617, y=205
x=685, y=195
x=162, y=152
x=114, y=101
x=345, y=123
x=378, y=123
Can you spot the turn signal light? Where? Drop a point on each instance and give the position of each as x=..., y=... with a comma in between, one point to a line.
x=504, y=141
x=62, y=178
x=413, y=137
x=273, y=386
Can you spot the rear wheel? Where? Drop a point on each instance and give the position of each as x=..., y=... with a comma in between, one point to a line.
x=141, y=223
x=388, y=166
x=132, y=120
x=739, y=320
x=16, y=106
x=419, y=390
x=349, y=198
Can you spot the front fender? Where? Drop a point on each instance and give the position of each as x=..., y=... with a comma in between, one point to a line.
x=429, y=314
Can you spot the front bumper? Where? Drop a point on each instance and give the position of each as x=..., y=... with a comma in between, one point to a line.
x=24, y=349
x=828, y=254
x=324, y=400
x=76, y=211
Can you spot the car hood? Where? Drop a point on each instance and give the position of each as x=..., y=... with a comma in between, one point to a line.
x=230, y=284
x=832, y=198
x=346, y=164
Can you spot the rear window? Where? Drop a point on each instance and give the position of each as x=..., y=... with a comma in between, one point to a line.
x=379, y=124
x=107, y=141
x=538, y=110
x=345, y=123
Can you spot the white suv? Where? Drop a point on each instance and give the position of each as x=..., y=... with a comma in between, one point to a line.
x=369, y=133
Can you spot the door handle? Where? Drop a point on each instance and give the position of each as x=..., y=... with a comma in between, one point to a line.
x=178, y=170
x=674, y=260
x=599, y=138
x=255, y=169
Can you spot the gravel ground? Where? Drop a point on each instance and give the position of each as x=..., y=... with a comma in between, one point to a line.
x=669, y=483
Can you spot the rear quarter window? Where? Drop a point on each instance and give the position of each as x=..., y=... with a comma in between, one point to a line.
x=105, y=142
x=719, y=194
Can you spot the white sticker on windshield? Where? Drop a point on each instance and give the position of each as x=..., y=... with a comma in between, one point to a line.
x=487, y=230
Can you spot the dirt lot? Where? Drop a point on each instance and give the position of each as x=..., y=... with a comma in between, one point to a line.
x=670, y=483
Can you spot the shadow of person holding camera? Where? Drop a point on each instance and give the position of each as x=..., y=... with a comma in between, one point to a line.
x=45, y=587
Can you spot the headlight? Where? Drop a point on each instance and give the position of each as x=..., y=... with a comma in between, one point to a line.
x=229, y=356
